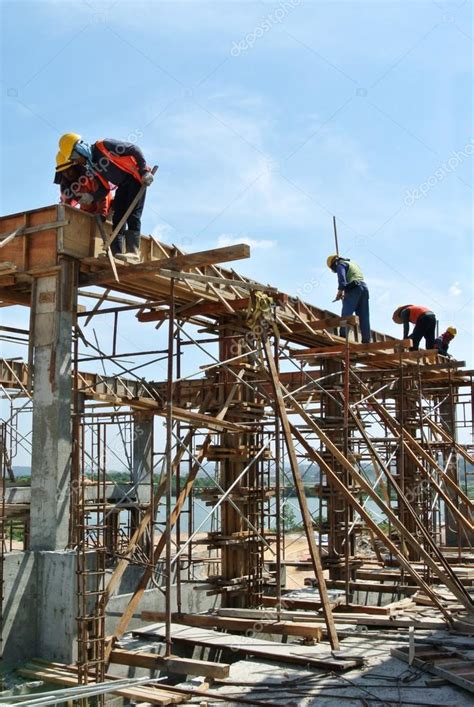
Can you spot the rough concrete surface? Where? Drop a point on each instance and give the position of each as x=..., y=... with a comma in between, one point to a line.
x=383, y=680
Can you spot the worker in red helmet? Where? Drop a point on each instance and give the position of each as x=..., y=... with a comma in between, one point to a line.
x=76, y=187
x=123, y=165
x=424, y=321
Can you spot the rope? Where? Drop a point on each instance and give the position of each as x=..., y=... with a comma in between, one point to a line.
x=261, y=319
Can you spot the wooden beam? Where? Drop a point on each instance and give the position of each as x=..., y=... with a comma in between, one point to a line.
x=178, y=262
x=280, y=410
x=11, y=296
x=296, y=604
x=216, y=280
x=361, y=481
x=407, y=357
x=415, y=450
x=196, y=419
x=173, y=664
x=206, y=308
x=63, y=677
x=422, y=531
x=450, y=440
x=234, y=623
x=249, y=645
x=354, y=347
x=143, y=693
x=326, y=323
x=160, y=545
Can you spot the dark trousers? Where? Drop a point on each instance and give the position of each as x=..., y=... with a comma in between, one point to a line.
x=356, y=301
x=124, y=196
x=424, y=327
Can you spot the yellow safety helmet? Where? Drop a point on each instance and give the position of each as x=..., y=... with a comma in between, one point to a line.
x=331, y=260
x=452, y=330
x=62, y=163
x=67, y=142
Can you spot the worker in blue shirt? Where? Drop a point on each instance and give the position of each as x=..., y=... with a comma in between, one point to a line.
x=353, y=292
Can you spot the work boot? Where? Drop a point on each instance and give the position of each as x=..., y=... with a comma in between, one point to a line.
x=117, y=245
x=132, y=240
x=128, y=258
x=103, y=255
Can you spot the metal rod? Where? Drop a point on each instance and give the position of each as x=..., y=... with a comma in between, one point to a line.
x=169, y=467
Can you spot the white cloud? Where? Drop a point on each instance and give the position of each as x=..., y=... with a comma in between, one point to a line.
x=455, y=290
x=227, y=239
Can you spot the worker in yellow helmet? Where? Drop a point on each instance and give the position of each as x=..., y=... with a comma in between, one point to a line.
x=442, y=342
x=353, y=292
x=123, y=165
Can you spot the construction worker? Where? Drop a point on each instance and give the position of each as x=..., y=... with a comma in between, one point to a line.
x=424, y=322
x=74, y=184
x=122, y=164
x=353, y=292
x=442, y=342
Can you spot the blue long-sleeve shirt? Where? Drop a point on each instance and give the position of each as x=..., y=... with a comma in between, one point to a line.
x=341, y=270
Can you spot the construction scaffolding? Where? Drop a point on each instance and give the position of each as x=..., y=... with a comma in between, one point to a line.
x=259, y=404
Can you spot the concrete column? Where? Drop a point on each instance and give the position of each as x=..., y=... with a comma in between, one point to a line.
x=53, y=302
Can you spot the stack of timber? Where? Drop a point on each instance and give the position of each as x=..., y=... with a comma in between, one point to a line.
x=66, y=676
x=453, y=665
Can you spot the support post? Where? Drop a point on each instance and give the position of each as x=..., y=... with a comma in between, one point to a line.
x=280, y=410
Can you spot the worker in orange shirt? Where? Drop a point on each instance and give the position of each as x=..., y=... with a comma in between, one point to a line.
x=424, y=321
x=123, y=165
x=76, y=186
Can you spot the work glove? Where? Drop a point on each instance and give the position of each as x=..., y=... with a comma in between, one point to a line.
x=86, y=199
x=147, y=179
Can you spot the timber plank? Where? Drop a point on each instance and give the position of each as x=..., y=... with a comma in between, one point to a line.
x=269, y=650
x=237, y=623
x=355, y=347
x=178, y=262
x=62, y=677
x=461, y=674
x=332, y=322
x=172, y=664
x=280, y=410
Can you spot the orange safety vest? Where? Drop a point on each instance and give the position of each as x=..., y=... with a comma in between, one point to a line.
x=124, y=162
x=89, y=186
x=416, y=310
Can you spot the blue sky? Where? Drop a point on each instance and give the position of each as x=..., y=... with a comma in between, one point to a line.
x=266, y=118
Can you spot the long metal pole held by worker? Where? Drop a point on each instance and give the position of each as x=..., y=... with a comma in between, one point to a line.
x=335, y=235
x=335, y=240
x=131, y=206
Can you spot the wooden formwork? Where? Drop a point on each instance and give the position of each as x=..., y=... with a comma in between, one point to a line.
x=266, y=405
